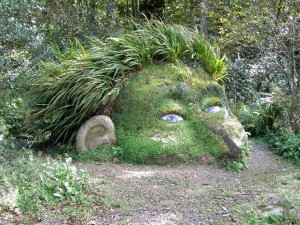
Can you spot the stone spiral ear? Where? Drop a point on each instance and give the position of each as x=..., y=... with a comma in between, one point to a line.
x=94, y=132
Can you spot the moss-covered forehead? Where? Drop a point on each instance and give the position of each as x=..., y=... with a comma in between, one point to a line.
x=169, y=88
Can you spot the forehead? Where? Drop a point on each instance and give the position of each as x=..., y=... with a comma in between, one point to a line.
x=174, y=81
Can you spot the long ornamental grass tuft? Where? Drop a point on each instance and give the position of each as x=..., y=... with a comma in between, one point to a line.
x=83, y=82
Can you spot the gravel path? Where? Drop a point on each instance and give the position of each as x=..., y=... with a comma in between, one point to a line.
x=196, y=194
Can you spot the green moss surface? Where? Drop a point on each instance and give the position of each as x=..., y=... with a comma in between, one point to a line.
x=162, y=89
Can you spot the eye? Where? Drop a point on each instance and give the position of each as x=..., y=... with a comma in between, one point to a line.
x=213, y=109
x=172, y=118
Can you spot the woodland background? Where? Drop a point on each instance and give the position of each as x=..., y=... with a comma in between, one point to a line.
x=261, y=40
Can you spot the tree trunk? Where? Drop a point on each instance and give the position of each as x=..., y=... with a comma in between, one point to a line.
x=127, y=8
x=135, y=8
x=278, y=5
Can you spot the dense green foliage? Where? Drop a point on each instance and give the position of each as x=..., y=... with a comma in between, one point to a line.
x=42, y=182
x=286, y=144
x=268, y=55
x=261, y=117
x=84, y=82
x=32, y=183
x=3, y=139
x=285, y=218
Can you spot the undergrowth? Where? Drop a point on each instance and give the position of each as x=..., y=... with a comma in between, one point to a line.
x=236, y=166
x=33, y=183
x=254, y=218
x=286, y=145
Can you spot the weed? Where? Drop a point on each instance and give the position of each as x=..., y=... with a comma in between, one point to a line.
x=243, y=163
x=101, y=153
x=251, y=218
x=33, y=183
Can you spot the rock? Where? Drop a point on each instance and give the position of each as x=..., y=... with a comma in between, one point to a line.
x=272, y=210
x=96, y=131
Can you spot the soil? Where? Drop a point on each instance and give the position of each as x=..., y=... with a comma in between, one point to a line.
x=197, y=194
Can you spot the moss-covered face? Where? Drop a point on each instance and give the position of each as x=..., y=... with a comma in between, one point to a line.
x=169, y=112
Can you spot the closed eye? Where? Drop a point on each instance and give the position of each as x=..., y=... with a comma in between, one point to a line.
x=213, y=109
x=172, y=118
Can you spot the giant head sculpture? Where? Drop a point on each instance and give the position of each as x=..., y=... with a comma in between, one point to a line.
x=170, y=112
x=154, y=92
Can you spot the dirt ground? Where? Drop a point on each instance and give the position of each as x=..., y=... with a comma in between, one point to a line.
x=197, y=194
x=187, y=194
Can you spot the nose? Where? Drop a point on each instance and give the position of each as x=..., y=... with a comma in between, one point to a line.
x=234, y=152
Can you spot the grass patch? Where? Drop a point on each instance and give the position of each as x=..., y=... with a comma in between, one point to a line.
x=42, y=187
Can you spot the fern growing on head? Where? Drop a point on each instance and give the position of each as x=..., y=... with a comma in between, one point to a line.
x=84, y=82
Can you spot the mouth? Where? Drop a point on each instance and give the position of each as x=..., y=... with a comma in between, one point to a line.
x=164, y=138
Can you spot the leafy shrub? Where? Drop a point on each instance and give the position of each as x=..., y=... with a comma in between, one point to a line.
x=3, y=133
x=67, y=182
x=254, y=218
x=260, y=117
x=15, y=112
x=243, y=163
x=34, y=183
x=16, y=68
x=275, y=219
x=38, y=183
x=5, y=144
x=286, y=144
x=251, y=73
x=290, y=105
x=248, y=77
